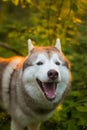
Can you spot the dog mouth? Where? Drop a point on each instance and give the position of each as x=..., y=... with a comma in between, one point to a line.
x=48, y=88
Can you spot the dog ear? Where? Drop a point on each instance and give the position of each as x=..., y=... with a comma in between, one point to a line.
x=30, y=45
x=58, y=44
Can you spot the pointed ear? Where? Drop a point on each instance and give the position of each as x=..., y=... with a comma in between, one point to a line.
x=58, y=44
x=30, y=45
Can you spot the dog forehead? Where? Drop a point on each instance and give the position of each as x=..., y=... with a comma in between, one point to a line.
x=44, y=51
x=46, y=56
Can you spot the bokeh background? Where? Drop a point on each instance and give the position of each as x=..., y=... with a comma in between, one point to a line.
x=43, y=21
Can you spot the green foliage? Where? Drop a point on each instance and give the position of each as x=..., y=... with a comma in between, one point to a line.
x=4, y=120
x=43, y=22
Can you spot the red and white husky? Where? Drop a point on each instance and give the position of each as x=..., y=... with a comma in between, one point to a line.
x=32, y=87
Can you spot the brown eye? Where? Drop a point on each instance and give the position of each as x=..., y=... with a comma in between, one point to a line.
x=57, y=63
x=39, y=63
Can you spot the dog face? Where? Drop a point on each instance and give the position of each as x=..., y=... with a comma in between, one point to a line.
x=46, y=73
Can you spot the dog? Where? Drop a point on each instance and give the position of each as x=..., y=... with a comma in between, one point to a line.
x=32, y=87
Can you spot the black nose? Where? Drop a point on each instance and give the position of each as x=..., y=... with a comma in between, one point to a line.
x=53, y=74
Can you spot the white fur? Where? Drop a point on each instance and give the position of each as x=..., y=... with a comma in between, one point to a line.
x=6, y=80
x=40, y=72
x=58, y=44
x=30, y=45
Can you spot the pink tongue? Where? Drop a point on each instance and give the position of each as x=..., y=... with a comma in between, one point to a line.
x=50, y=90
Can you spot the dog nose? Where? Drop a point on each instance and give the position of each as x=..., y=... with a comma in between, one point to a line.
x=53, y=74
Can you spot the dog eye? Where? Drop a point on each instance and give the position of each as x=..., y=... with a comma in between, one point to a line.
x=39, y=63
x=57, y=63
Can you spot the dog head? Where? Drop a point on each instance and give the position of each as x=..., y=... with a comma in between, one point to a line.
x=46, y=72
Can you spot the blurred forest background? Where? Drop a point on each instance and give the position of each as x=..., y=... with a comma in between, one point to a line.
x=43, y=21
